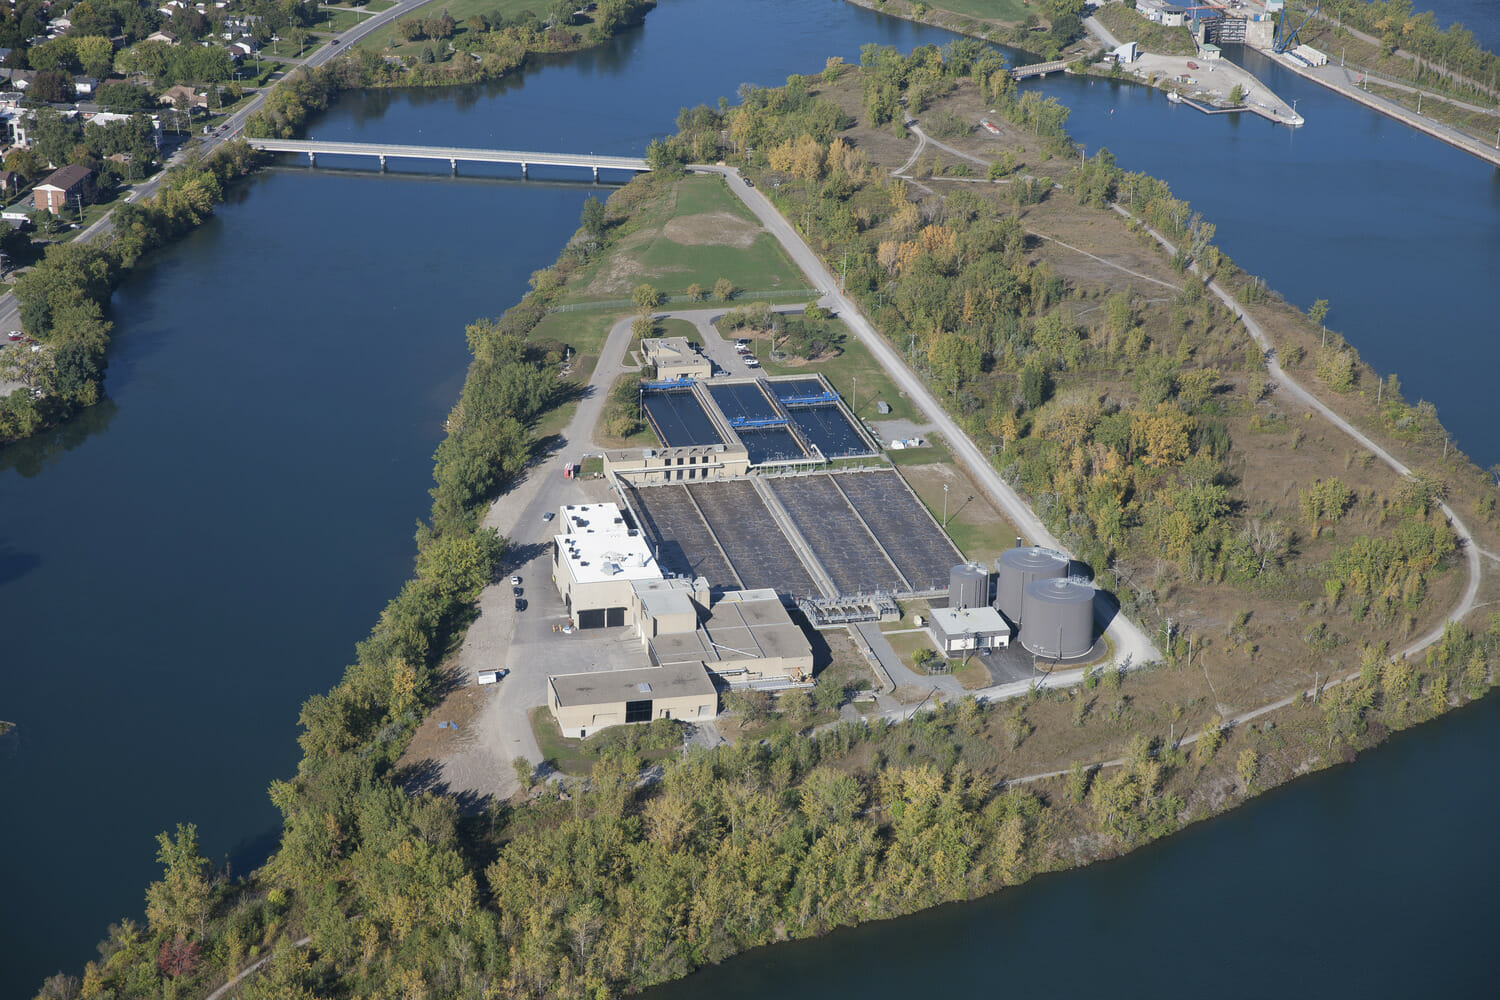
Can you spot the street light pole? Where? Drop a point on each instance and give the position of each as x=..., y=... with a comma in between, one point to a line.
x=945, y=506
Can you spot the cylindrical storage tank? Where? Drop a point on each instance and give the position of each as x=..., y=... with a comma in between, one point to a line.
x=1019, y=567
x=968, y=587
x=1059, y=616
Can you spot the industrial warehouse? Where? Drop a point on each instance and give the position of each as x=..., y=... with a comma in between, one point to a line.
x=767, y=494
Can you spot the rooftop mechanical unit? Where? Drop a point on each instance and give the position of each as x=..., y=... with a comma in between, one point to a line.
x=1059, y=615
x=1019, y=567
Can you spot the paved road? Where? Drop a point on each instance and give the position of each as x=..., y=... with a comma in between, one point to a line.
x=524, y=642
x=1132, y=646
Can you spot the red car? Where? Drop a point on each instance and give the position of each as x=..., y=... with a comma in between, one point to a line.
x=1192, y=65
x=15, y=335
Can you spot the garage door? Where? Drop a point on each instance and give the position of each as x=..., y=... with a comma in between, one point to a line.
x=614, y=617
x=592, y=618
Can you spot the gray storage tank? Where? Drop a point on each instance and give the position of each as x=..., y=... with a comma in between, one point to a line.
x=1059, y=616
x=1019, y=567
x=969, y=586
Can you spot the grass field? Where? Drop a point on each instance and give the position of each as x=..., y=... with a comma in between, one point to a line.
x=459, y=10
x=695, y=232
x=677, y=328
x=977, y=528
x=990, y=10
x=340, y=20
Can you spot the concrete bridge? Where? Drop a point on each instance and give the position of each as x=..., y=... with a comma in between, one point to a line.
x=453, y=154
x=1038, y=69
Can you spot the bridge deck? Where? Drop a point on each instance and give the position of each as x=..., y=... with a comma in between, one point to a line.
x=451, y=153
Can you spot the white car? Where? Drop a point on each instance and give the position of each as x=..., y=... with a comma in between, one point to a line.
x=515, y=581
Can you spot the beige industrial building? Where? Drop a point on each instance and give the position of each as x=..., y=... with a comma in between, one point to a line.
x=743, y=639
x=586, y=703
x=654, y=466
x=963, y=630
x=746, y=638
x=595, y=562
x=674, y=357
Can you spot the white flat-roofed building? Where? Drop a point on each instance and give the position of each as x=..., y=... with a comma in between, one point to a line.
x=585, y=703
x=596, y=561
x=961, y=630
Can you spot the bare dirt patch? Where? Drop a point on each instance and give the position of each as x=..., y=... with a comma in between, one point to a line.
x=712, y=229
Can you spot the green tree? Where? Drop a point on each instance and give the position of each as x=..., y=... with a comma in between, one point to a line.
x=647, y=298
x=593, y=216
x=1237, y=94
x=179, y=903
x=724, y=289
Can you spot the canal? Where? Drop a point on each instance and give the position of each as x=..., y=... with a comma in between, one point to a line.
x=186, y=564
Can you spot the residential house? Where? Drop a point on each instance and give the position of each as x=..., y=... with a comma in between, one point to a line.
x=70, y=185
x=10, y=183
x=162, y=36
x=170, y=96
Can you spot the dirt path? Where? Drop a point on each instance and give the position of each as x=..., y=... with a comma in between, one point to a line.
x=216, y=994
x=1285, y=383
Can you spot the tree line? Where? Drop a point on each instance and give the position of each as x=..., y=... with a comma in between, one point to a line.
x=64, y=298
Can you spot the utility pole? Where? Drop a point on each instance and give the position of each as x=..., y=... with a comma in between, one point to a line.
x=945, y=506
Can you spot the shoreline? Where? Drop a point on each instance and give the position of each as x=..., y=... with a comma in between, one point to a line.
x=1396, y=112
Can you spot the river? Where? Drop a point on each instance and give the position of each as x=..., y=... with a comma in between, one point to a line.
x=186, y=564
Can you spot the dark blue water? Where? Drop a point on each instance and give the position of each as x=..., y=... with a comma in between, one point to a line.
x=182, y=567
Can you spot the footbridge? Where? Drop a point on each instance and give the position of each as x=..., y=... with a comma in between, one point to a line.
x=453, y=154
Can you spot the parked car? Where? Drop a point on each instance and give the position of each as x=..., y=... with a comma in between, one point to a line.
x=515, y=591
x=16, y=335
x=515, y=581
x=549, y=515
x=520, y=604
x=749, y=183
x=752, y=363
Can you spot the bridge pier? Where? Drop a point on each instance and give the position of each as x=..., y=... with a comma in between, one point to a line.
x=312, y=158
x=596, y=173
x=453, y=165
x=382, y=163
x=523, y=169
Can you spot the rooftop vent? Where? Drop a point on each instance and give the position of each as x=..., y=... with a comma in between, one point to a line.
x=643, y=687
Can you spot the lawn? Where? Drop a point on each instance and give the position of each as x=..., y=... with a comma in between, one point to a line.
x=340, y=20
x=980, y=532
x=585, y=333
x=459, y=10
x=677, y=328
x=694, y=232
x=992, y=10
x=565, y=755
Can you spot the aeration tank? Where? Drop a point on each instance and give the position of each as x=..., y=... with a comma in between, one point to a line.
x=1059, y=616
x=1019, y=567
